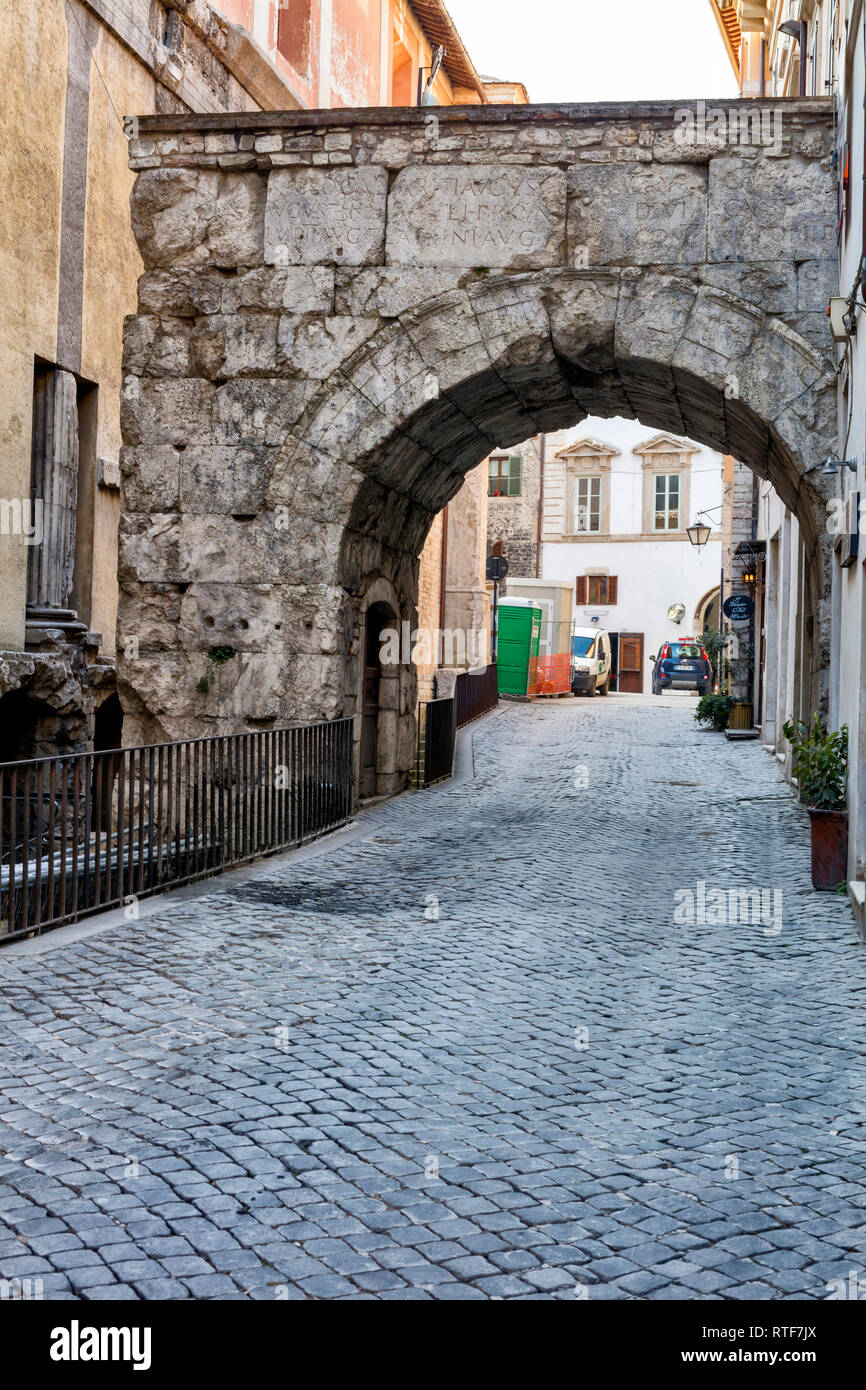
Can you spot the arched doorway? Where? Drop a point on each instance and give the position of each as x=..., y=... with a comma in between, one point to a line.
x=708, y=613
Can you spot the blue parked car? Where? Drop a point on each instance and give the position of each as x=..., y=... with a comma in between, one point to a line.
x=682, y=665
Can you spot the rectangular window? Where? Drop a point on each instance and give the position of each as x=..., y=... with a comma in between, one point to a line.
x=667, y=502
x=53, y=488
x=293, y=34
x=504, y=478
x=595, y=589
x=588, y=511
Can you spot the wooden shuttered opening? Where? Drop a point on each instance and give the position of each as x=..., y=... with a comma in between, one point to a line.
x=515, y=475
x=596, y=588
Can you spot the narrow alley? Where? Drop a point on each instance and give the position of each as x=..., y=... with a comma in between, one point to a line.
x=475, y=1047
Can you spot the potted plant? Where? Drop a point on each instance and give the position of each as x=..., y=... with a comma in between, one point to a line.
x=714, y=710
x=716, y=644
x=820, y=765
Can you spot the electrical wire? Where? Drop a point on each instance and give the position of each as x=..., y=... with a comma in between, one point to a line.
x=70, y=11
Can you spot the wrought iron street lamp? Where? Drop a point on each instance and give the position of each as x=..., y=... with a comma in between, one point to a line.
x=700, y=529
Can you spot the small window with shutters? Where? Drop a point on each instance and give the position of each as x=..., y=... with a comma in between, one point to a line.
x=595, y=589
x=505, y=476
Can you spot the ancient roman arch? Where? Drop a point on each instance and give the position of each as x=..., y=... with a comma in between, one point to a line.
x=342, y=312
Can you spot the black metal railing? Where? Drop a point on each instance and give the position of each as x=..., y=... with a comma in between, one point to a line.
x=90, y=831
x=437, y=734
x=475, y=693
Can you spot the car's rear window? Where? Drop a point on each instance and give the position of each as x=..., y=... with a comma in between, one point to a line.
x=679, y=651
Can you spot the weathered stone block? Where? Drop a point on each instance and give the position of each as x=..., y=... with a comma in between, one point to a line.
x=652, y=315
x=151, y=613
x=483, y=216
x=225, y=479
x=236, y=345
x=768, y=283
x=166, y=410
x=183, y=293
x=155, y=346
x=150, y=478
x=769, y=209
x=388, y=290
x=299, y=289
x=720, y=332
x=317, y=216
x=258, y=411
x=816, y=282
x=198, y=217
x=635, y=214
x=315, y=347
x=262, y=617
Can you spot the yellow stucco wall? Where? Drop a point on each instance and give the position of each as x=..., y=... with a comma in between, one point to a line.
x=32, y=45
x=33, y=54
x=111, y=269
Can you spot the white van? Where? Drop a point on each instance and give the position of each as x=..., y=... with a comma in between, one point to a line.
x=590, y=661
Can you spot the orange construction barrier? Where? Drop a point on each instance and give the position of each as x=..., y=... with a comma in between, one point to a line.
x=552, y=675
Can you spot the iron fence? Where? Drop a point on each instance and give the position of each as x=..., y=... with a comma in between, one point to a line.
x=89, y=831
x=437, y=734
x=475, y=694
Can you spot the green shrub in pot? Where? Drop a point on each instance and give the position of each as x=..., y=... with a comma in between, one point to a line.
x=819, y=763
x=714, y=710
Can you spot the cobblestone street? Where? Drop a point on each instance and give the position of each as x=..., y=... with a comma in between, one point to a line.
x=304, y=1083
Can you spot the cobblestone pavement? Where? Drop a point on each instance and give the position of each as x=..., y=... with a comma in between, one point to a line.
x=305, y=1085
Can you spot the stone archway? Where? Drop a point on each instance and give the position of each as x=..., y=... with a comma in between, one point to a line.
x=324, y=349
x=707, y=611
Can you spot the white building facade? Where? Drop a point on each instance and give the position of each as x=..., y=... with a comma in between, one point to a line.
x=618, y=498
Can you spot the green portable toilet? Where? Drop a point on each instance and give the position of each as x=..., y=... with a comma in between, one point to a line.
x=519, y=633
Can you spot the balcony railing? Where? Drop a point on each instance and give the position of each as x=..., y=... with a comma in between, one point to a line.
x=90, y=831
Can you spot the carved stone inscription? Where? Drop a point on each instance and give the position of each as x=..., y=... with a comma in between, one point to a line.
x=637, y=214
x=325, y=215
x=477, y=215
x=771, y=210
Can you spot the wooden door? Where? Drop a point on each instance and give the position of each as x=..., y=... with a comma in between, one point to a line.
x=377, y=618
x=631, y=663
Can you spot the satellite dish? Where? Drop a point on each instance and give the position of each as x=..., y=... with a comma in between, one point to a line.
x=676, y=612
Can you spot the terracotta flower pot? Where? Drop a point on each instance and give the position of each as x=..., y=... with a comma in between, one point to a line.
x=829, y=848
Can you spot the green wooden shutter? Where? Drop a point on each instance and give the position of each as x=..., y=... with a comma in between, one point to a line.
x=515, y=475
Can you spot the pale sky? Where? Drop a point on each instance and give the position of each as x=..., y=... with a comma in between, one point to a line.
x=598, y=50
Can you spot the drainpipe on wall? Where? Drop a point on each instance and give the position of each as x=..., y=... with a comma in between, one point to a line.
x=763, y=88
x=443, y=577
x=540, y=506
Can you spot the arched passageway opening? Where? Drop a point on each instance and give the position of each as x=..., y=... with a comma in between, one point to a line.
x=298, y=408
